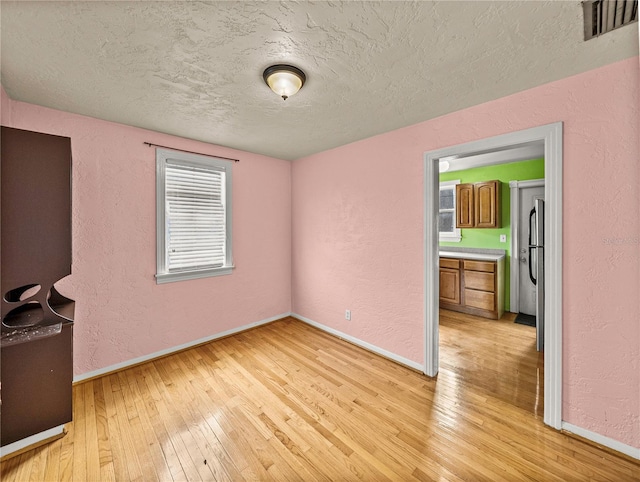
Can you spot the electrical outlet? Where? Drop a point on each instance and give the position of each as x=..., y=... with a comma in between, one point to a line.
x=347, y=315
x=503, y=238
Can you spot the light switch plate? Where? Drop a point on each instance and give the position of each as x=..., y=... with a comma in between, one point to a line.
x=503, y=238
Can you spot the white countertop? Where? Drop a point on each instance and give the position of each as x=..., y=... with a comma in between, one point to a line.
x=476, y=256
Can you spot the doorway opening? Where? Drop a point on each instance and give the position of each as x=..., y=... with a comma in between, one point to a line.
x=523, y=195
x=549, y=137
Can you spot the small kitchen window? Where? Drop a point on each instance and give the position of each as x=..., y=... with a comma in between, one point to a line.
x=447, y=214
x=193, y=195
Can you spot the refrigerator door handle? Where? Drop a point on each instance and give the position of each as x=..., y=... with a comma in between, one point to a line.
x=532, y=213
x=533, y=280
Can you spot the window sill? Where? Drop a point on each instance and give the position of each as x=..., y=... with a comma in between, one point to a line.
x=162, y=278
x=450, y=239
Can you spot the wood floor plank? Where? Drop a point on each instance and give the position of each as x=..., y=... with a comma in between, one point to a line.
x=131, y=452
x=92, y=452
x=52, y=468
x=175, y=452
x=105, y=457
x=286, y=401
x=65, y=470
x=79, y=466
x=39, y=463
x=109, y=390
x=191, y=456
x=155, y=422
x=9, y=468
x=25, y=463
x=144, y=407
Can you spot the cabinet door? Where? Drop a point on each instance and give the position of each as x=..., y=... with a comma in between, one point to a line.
x=36, y=385
x=487, y=204
x=450, y=285
x=464, y=206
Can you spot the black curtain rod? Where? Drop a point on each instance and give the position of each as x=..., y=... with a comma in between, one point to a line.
x=151, y=144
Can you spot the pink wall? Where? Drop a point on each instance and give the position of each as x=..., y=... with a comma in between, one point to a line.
x=121, y=313
x=358, y=228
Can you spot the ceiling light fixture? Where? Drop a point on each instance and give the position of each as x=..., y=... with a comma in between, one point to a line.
x=444, y=166
x=284, y=80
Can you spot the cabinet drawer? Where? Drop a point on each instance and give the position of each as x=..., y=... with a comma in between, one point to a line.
x=479, y=299
x=478, y=280
x=449, y=263
x=487, y=266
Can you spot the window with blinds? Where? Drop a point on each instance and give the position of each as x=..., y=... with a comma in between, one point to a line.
x=193, y=216
x=447, y=212
x=602, y=16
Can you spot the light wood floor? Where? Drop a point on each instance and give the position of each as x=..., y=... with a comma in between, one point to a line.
x=288, y=402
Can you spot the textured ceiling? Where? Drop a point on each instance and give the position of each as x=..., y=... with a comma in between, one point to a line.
x=194, y=69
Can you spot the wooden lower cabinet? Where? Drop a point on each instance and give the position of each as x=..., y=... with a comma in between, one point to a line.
x=471, y=286
x=450, y=285
x=481, y=300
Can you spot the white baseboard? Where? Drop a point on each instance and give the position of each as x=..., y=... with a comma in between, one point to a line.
x=168, y=351
x=602, y=440
x=362, y=344
x=31, y=440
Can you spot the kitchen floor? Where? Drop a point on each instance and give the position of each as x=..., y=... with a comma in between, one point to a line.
x=497, y=355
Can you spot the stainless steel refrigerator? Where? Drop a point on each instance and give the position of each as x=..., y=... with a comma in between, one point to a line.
x=536, y=265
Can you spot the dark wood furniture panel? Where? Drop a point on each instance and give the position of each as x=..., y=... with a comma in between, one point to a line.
x=36, y=385
x=37, y=321
x=36, y=208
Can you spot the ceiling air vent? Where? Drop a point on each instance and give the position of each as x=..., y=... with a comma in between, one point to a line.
x=602, y=16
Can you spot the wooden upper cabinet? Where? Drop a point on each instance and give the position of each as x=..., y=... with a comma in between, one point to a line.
x=487, y=204
x=464, y=206
x=478, y=205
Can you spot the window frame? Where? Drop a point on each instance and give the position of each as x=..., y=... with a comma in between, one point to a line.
x=163, y=275
x=456, y=235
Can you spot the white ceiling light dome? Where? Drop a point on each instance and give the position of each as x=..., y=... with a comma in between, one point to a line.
x=284, y=80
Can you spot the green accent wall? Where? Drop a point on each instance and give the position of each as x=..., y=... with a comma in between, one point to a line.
x=490, y=238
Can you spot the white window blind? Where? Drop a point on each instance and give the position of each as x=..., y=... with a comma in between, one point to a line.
x=193, y=216
x=603, y=16
x=196, y=232
x=447, y=212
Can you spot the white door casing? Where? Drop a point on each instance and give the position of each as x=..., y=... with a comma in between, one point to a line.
x=551, y=136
